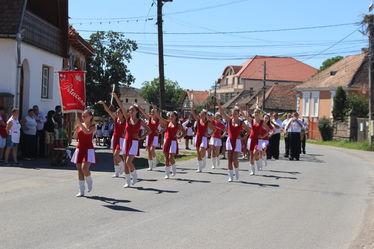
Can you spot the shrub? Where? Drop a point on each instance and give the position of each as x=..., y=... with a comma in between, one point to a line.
x=358, y=104
x=325, y=128
x=340, y=104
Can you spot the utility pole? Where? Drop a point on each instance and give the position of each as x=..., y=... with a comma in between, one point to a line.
x=215, y=96
x=161, y=52
x=369, y=19
x=264, y=88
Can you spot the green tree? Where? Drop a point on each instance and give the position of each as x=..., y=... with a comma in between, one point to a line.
x=108, y=66
x=340, y=104
x=329, y=62
x=174, y=94
x=358, y=104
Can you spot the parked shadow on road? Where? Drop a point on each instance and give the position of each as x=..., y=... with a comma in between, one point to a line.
x=191, y=181
x=286, y=172
x=123, y=208
x=158, y=191
x=107, y=199
x=260, y=184
x=278, y=177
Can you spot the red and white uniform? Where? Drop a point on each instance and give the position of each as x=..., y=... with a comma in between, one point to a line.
x=118, y=137
x=152, y=139
x=85, y=151
x=233, y=141
x=3, y=134
x=201, y=139
x=216, y=139
x=131, y=143
x=170, y=143
x=253, y=140
x=265, y=140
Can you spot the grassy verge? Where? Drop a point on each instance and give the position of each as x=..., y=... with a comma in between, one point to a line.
x=345, y=144
x=183, y=156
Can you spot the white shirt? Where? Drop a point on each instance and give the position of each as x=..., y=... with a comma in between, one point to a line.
x=40, y=120
x=280, y=124
x=189, y=130
x=30, y=126
x=15, y=131
x=294, y=127
x=284, y=123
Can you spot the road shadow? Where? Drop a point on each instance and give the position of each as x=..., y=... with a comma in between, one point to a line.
x=260, y=184
x=163, y=171
x=107, y=199
x=286, y=172
x=146, y=180
x=190, y=180
x=278, y=177
x=157, y=191
x=123, y=208
x=215, y=173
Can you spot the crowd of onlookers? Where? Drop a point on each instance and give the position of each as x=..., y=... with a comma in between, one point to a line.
x=33, y=136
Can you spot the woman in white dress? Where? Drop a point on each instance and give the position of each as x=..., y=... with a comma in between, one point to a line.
x=13, y=130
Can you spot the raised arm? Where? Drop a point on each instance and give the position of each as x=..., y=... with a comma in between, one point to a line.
x=146, y=115
x=223, y=113
x=106, y=108
x=148, y=130
x=119, y=102
x=161, y=119
x=196, y=117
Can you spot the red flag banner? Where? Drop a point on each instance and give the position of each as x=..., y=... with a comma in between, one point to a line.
x=73, y=92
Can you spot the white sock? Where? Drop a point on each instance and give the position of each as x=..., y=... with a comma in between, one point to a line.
x=134, y=177
x=81, y=189
x=214, y=162
x=231, y=175
x=252, y=169
x=259, y=164
x=173, y=170
x=89, y=183
x=150, y=164
x=199, y=166
x=121, y=167
x=204, y=162
x=236, y=173
x=116, y=171
x=217, y=161
x=154, y=162
x=265, y=161
x=167, y=172
x=127, y=181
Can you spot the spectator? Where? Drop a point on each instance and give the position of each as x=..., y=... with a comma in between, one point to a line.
x=13, y=130
x=58, y=128
x=40, y=120
x=3, y=133
x=49, y=132
x=29, y=130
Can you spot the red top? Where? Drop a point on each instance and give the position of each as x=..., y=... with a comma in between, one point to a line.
x=257, y=129
x=153, y=125
x=171, y=132
x=132, y=130
x=85, y=140
x=119, y=128
x=219, y=129
x=202, y=129
x=234, y=131
x=263, y=132
x=3, y=133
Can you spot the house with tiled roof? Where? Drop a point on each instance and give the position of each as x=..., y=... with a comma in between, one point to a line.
x=130, y=96
x=316, y=95
x=33, y=44
x=193, y=99
x=249, y=75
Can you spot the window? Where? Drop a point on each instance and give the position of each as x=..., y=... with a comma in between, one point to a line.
x=306, y=98
x=136, y=101
x=227, y=81
x=315, y=103
x=45, y=82
x=332, y=94
x=127, y=100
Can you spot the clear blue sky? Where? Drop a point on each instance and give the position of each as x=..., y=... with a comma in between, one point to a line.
x=212, y=52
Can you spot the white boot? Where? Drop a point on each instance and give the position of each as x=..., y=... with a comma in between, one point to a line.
x=204, y=163
x=259, y=164
x=173, y=170
x=134, y=177
x=127, y=181
x=150, y=165
x=116, y=171
x=217, y=162
x=237, y=174
x=214, y=162
x=167, y=172
x=199, y=166
x=89, y=183
x=231, y=175
x=154, y=162
x=252, y=169
x=121, y=167
x=81, y=189
x=264, y=162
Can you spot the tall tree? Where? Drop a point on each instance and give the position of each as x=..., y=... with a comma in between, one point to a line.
x=109, y=65
x=329, y=62
x=174, y=94
x=339, y=110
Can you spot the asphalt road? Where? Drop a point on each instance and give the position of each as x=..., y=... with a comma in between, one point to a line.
x=318, y=202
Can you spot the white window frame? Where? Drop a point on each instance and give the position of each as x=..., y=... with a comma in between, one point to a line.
x=45, y=85
x=315, y=104
x=332, y=96
x=306, y=104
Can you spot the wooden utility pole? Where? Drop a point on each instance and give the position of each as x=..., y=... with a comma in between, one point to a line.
x=369, y=19
x=161, y=53
x=264, y=88
x=215, y=97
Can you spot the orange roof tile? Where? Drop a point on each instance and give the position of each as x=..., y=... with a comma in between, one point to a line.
x=197, y=97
